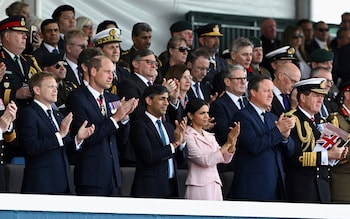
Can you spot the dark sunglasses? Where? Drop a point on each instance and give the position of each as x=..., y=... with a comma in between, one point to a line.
x=323, y=29
x=296, y=36
x=183, y=49
x=59, y=64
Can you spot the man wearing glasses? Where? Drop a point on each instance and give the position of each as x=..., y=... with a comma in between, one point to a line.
x=321, y=35
x=75, y=42
x=54, y=63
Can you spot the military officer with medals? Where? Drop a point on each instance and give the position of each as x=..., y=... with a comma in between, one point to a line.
x=308, y=171
x=19, y=69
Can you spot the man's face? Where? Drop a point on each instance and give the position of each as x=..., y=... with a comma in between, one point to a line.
x=51, y=34
x=47, y=91
x=143, y=40
x=321, y=31
x=67, y=21
x=262, y=98
x=58, y=70
x=74, y=49
x=236, y=84
x=15, y=41
x=212, y=43
x=323, y=73
x=308, y=30
x=199, y=68
x=257, y=55
x=112, y=51
x=269, y=29
x=187, y=35
x=311, y=103
x=326, y=64
x=158, y=105
x=103, y=77
x=243, y=56
x=147, y=66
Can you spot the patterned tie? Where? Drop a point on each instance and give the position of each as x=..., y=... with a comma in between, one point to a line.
x=102, y=107
x=285, y=102
x=196, y=85
x=149, y=83
x=51, y=119
x=55, y=51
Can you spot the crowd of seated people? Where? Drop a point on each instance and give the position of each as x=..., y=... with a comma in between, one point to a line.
x=83, y=101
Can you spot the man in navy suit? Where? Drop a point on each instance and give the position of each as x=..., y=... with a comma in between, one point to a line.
x=286, y=75
x=156, y=143
x=97, y=170
x=264, y=140
x=225, y=107
x=43, y=133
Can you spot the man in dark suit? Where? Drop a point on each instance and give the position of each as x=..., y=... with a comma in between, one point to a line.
x=209, y=38
x=286, y=75
x=320, y=40
x=308, y=170
x=263, y=141
x=19, y=68
x=110, y=117
x=155, y=147
x=43, y=133
x=51, y=35
x=198, y=63
x=225, y=107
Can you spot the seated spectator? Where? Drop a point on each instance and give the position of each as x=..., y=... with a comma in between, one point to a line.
x=86, y=25
x=257, y=57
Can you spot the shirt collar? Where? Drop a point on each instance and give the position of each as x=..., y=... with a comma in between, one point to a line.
x=94, y=92
x=42, y=106
x=306, y=113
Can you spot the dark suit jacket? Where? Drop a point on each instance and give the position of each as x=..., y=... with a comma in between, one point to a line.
x=216, y=83
x=259, y=173
x=47, y=168
x=40, y=53
x=151, y=176
x=97, y=162
x=306, y=183
x=205, y=88
x=311, y=47
x=70, y=76
x=276, y=106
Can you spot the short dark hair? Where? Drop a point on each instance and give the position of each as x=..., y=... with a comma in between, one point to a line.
x=176, y=71
x=138, y=55
x=37, y=78
x=154, y=90
x=254, y=82
x=45, y=23
x=86, y=55
x=103, y=25
x=95, y=62
x=195, y=104
x=140, y=27
x=58, y=11
x=196, y=53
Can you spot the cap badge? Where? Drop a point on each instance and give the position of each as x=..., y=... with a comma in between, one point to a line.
x=112, y=32
x=23, y=23
x=216, y=28
x=291, y=51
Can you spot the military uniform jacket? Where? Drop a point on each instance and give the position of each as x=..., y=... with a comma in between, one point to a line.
x=306, y=179
x=14, y=79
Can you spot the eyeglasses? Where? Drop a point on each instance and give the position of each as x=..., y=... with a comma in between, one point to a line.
x=82, y=46
x=150, y=62
x=291, y=79
x=59, y=64
x=297, y=36
x=183, y=49
x=241, y=79
x=201, y=69
x=323, y=29
x=330, y=81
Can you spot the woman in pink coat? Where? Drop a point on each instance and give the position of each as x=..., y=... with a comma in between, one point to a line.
x=204, y=153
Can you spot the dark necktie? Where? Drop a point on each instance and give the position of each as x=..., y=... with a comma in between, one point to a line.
x=102, y=107
x=266, y=122
x=285, y=102
x=18, y=63
x=149, y=83
x=55, y=51
x=196, y=85
x=240, y=101
x=51, y=120
x=161, y=132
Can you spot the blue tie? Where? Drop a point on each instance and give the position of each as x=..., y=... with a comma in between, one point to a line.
x=51, y=120
x=196, y=85
x=170, y=161
x=285, y=102
x=55, y=51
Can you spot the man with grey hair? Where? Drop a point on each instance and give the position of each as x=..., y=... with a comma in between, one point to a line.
x=241, y=52
x=224, y=107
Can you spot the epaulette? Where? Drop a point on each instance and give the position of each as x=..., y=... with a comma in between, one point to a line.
x=69, y=86
x=126, y=52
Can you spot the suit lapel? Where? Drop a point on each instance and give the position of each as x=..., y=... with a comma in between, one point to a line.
x=44, y=116
x=257, y=117
x=153, y=129
x=93, y=102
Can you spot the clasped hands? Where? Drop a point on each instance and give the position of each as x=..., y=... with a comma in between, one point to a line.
x=284, y=125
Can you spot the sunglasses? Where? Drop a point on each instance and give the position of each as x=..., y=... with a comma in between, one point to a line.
x=297, y=36
x=183, y=49
x=59, y=64
x=323, y=29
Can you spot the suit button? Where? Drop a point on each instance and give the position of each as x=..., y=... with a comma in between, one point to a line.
x=2, y=162
x=318, y=169
x=317, y=176
x=329, y=177
x=2, y=146
x=329, y=169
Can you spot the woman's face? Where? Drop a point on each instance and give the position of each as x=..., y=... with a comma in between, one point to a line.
x=179, y=54
x=201, y=117
x=185, y=81
x=297, y=39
